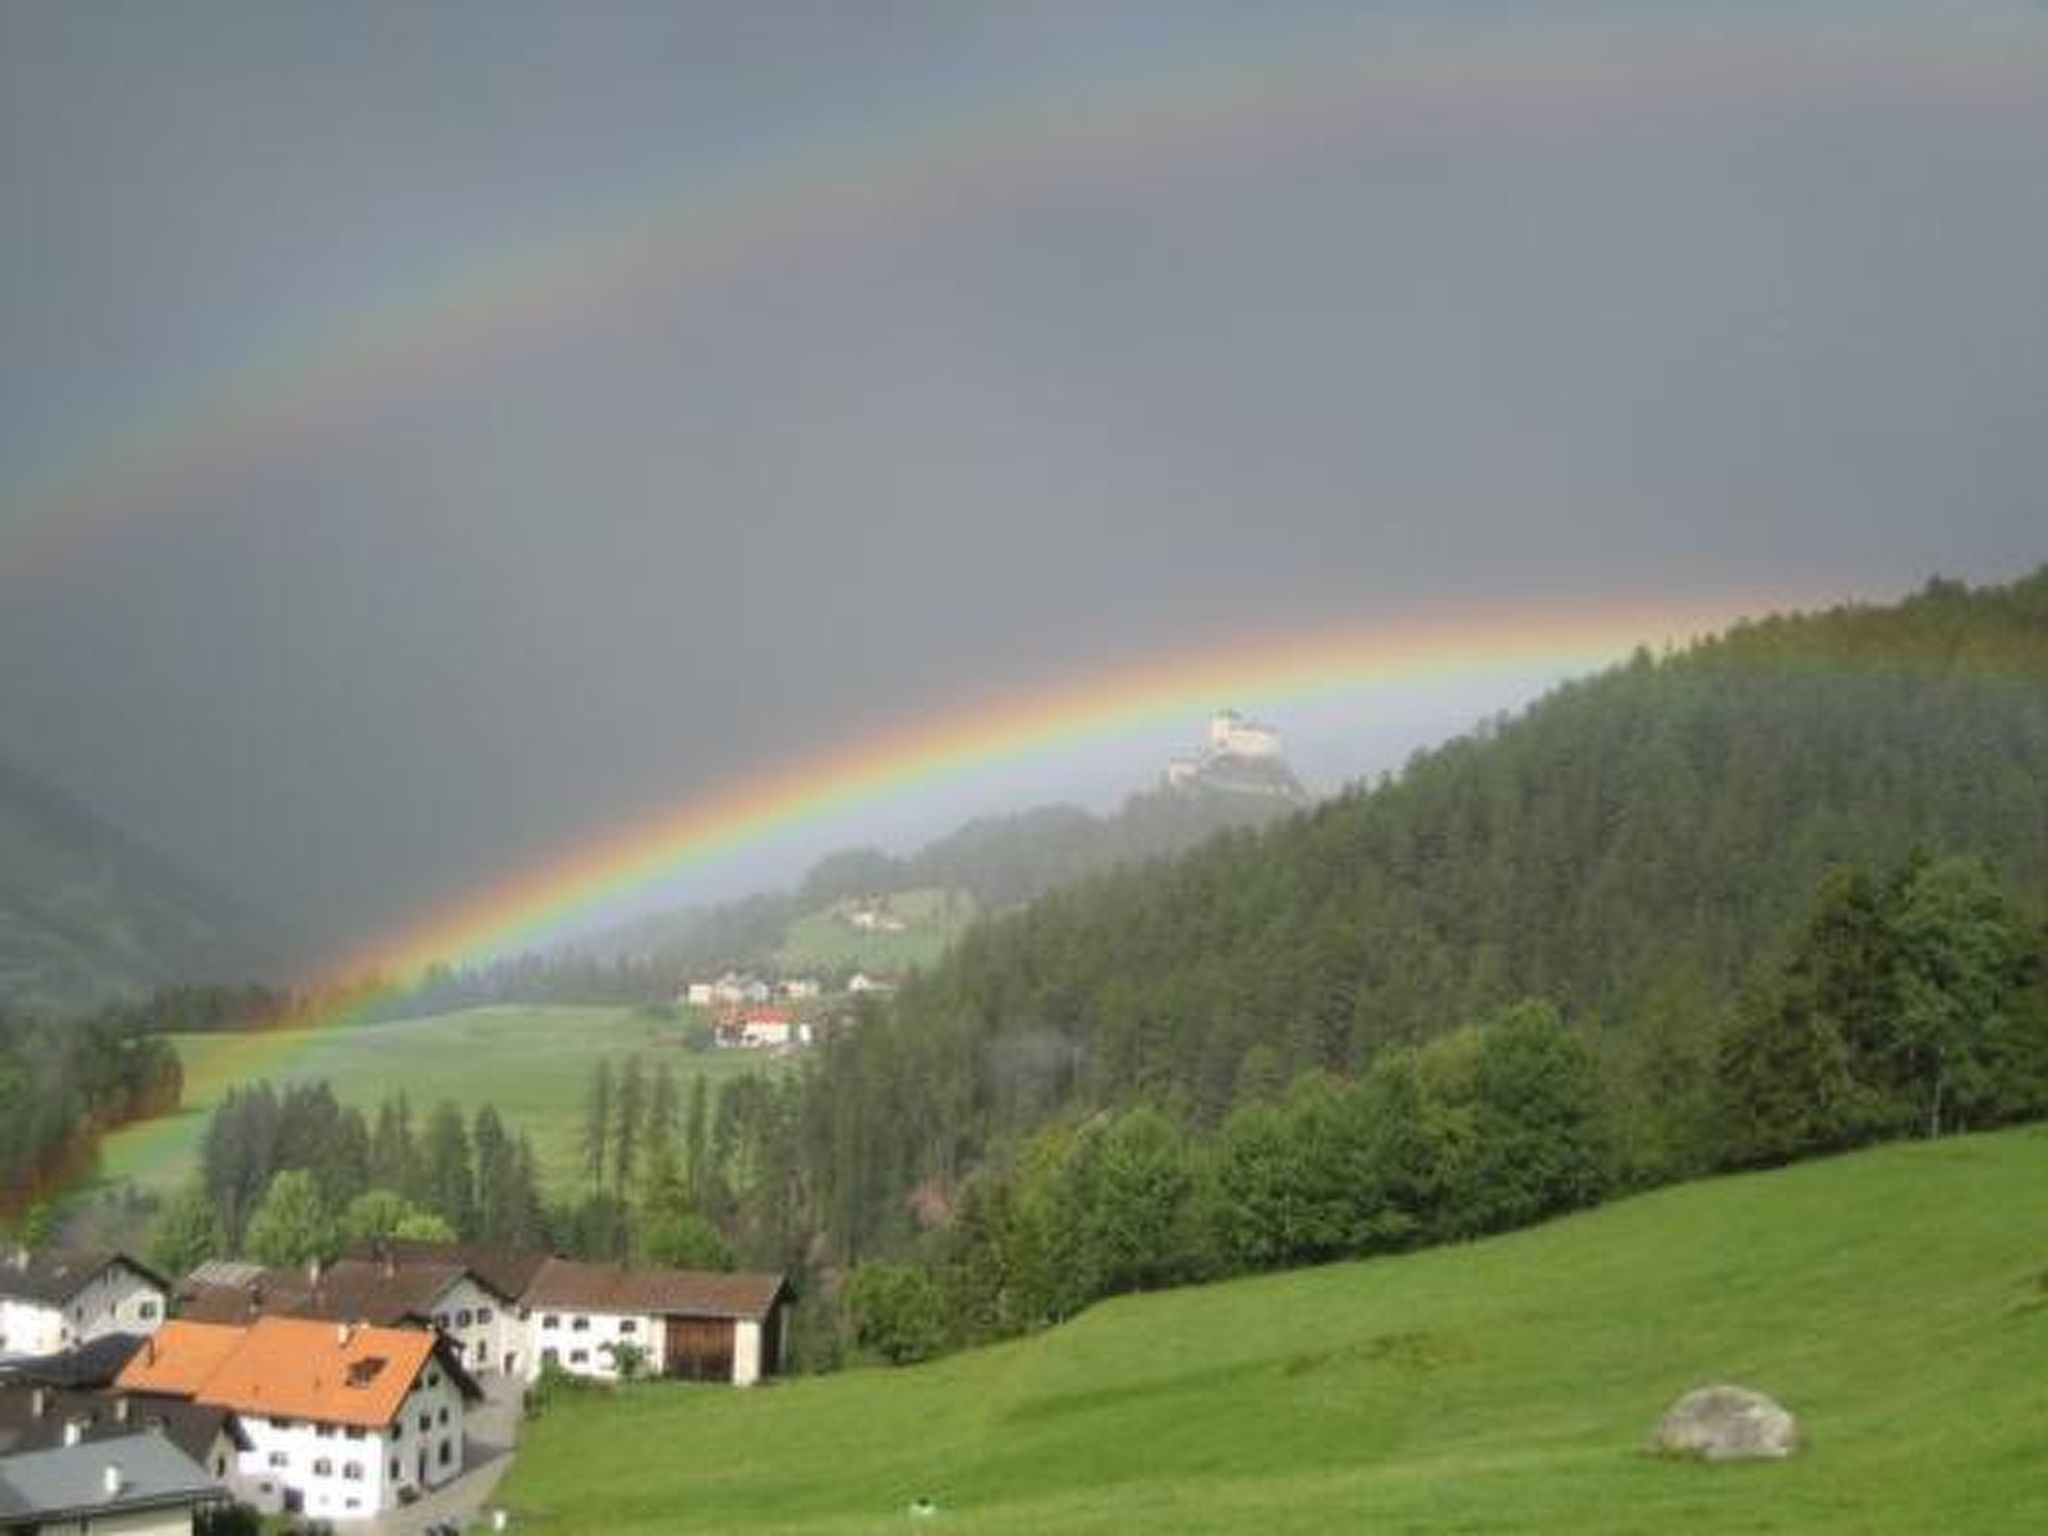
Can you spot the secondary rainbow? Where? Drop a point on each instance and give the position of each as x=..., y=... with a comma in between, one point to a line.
x=1388, y=75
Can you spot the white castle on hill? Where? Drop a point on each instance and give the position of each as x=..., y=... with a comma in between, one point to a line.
x=1233, y=740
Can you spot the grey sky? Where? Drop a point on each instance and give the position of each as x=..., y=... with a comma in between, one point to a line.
x=1575, y=303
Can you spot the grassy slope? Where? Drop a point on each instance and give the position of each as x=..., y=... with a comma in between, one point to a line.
x=534, y=1064
x=826, y=941
x=1896, y=1300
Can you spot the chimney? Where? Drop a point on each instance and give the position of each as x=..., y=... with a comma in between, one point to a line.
x=110, y=1481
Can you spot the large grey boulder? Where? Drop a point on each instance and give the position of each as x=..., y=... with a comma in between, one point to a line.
x=1727, y=1423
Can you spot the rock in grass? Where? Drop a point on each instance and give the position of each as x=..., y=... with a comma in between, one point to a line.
x=1727, y=1423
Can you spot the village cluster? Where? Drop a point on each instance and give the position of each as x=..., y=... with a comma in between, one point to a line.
x=128, y=1402
x=748, y=1013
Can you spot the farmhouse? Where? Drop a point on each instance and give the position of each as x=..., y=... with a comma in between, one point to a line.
x=694, y=1325
x=764, y=1028
x=138, y=1485
x=53, y=1301
x=341, y=1421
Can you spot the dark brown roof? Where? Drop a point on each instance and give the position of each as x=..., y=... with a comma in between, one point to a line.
x=33, y=1419
x=54, y=1278
x=351, y=1291
x=578, y=1287
x=507, y=1271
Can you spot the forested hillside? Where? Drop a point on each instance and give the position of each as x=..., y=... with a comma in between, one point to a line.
x=998, y=862
x=88, y=915
x=1670, y=855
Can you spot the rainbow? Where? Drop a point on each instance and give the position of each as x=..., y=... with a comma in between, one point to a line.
x=555, y=894
x=1353, y=663
x=1386, y=76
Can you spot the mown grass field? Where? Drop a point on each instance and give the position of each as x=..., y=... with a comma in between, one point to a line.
x=534, y=1064
x=1896, y=1300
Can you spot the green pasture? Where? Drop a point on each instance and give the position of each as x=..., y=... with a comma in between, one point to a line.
x=826, y=942
x=1896, y=1301
x=534, y=1064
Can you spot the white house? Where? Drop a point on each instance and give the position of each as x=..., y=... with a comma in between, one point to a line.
x=51, y=1302
x=697, y=1325
x=343, y=1421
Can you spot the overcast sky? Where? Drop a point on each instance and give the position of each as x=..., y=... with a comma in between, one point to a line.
x=432, y=433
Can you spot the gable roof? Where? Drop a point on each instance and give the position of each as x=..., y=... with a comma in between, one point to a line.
x=611, y=1288
x=54, y=1278
x=71, y=1480
x=38, y=1420
x=95, y=1363
x=179, y=1358
x=351, y=1291
x=504, y=1271
x=289, y=1367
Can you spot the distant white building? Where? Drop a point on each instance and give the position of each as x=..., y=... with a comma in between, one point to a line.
x=1232, y=738
x=51, y=1302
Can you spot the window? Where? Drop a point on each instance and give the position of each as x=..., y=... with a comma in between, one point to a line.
x=447, y=1452
x=146, y=1308
x=352, y=1470
x=551, y=1321
x=483, y=1315
x=425, y=1423
x=628, y=1325
x=443, y=1416
x=394, y=1469
x=354, y=1432
x=324, y=1431
x=323, y=1467
x=355, y=1503
x=441, y=1321
x=581, y=1325
x=462, y=1318
x=579, y=1357
x=284, y=1423
x=433, y=1378
x=278, y=1459
x=551, y=1357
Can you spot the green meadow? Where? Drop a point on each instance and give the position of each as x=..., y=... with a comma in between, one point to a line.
x=1896, y=1301
x=826, y=941
x=534, y=1064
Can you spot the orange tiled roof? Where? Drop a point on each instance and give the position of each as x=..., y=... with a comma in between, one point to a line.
x=285, y=1367
x=289, y=1367
x=178, y=1358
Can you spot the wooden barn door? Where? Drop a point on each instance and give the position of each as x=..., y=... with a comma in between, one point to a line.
x=698, y=1349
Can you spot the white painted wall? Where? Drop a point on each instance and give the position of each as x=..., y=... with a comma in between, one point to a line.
x=578, y=1340
x=139, y=1522
x=117, y=1300
x=316, y=1459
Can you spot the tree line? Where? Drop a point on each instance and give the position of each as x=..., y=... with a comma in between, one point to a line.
x=64, y=1084
x=1913, y=1003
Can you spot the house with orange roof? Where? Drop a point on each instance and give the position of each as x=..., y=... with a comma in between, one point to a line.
x=342, y=1421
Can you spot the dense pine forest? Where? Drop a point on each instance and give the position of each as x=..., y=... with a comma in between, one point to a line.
x=1776, y=892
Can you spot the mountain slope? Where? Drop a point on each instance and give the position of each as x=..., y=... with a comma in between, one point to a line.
x=1636, y=848
x=88, y=914
x=1890, y=1299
